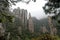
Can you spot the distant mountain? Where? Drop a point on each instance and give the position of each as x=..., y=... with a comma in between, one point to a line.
x=39, y=23
x=36, y=24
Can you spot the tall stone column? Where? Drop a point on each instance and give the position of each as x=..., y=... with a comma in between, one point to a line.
x=24, y=19
x=51, y=26
x=31, y=25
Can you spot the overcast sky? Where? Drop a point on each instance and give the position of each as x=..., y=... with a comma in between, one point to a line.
x=35, y=9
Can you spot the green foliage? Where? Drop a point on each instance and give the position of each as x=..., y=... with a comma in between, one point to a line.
x=4, y=11
x=46, y=37
x=12, y=28
x=4, y=18
x=55, y=1
x=51, y=6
